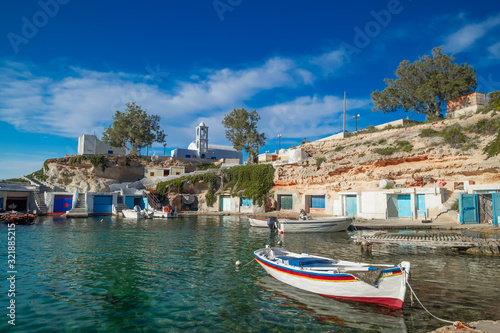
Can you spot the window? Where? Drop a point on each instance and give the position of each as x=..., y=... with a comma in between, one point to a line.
x=286, y=202
x=110, y=152
x=166, y=172
x=245, y=202
x=318, y=201
x=152, y=174
x=188, y=156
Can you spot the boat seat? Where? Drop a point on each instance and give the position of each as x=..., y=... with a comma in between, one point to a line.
x=309, y=262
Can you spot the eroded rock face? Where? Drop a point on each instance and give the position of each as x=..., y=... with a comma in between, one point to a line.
x=353, y=164
x=86, y=178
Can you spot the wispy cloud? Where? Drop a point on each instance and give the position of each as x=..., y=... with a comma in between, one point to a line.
x=494, y=51
x=466, y=36
x=307, y=116
x=84, y=101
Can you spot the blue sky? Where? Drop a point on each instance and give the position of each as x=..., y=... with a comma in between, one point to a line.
x=67, y=65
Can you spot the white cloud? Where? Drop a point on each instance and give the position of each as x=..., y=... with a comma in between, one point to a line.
x=329, y=62
x=84, y=101
x=466, y=36
x=306, y=116
x=494, y=51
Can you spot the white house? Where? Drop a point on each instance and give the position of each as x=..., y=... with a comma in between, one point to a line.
x=89, y=144
x=201, y=149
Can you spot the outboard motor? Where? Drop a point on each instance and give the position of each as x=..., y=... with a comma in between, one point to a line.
x=271, y=223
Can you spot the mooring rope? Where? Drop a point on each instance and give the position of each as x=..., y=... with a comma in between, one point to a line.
x=413, y=293
x=248, y=263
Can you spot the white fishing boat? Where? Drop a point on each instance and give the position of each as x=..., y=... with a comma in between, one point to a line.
x=258, y=222
x=314, y=224
x=137, y=213
x=384, y=285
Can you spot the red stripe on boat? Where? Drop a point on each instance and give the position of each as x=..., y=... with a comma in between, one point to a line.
x=344, y=277
x=395, y=303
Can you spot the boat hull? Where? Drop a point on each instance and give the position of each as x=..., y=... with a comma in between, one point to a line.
x=331, y=224
x=330, y=281
x=258, y=222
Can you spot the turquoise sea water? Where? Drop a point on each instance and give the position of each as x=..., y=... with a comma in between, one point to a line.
x=112, y=274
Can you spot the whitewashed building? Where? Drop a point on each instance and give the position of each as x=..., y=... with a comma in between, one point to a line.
x=89, y=144
x=201, y=149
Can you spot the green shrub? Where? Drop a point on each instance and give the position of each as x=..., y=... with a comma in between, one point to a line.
x=97, y=160
x=178, y=185
x=454, y=136
x=493, y=96
x=485, y=126
x=382, y=141
x=386, y=150
x=339, y=148
x=493, y=148
x=404, y=145
x=428, y=132
x=320, y=160
x=208, y=166
x=455, y=205
x=361, y=155
x=251, y=181
x=17, y=180
x=370, y=129
x=77, y=159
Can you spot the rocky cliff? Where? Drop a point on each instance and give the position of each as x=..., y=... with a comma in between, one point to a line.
x=359, y=162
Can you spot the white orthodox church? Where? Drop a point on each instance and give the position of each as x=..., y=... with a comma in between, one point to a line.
x=201, y=149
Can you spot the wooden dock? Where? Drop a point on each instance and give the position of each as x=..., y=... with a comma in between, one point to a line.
x=423, y=240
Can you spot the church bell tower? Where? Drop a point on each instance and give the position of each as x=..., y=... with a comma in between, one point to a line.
x=202, y=139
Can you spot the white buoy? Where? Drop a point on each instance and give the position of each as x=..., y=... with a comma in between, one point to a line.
x=238, y=263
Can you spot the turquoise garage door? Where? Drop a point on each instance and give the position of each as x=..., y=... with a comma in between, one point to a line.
x=351, y=205
x=103, y=204
x=404, y=206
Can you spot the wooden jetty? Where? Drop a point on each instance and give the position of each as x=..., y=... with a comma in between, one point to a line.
x=420, y=239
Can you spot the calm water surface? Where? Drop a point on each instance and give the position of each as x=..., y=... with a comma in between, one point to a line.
x=96, y=274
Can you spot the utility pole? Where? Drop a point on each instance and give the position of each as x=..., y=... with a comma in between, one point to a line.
x=279, y=142
x=343, y=131
x=356, y=117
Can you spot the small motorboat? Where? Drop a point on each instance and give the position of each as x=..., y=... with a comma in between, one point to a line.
x=258, y=222
x=384, y=285
x=316, y=224
x=137, y=213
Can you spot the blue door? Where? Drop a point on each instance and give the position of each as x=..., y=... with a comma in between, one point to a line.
x=131, y=202
x=496, y=208
x=351, y=205
x=63, y=203
x=421, y=211
x=404, y=205
x=1, y=203
x=468, y=204
x=103, y=204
